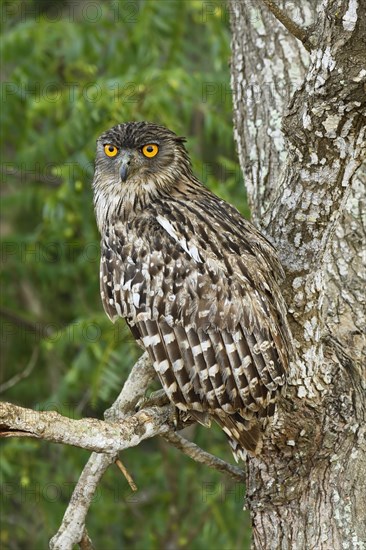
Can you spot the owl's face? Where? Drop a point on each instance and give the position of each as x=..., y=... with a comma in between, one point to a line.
x=136, y=159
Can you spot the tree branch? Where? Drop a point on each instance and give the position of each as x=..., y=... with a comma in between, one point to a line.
x=296, y=31
x=73, y=523
x=88, y=433
x=141, y=375
x=119, y=431
x=22, y=322
x=71, y=530
x=199, y=455
x=117, y=418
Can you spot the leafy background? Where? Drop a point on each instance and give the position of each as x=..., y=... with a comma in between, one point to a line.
x=72, y=69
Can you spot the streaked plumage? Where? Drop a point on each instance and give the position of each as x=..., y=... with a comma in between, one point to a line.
x=196, y=283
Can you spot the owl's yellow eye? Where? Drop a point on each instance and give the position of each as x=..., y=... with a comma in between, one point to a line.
x=150, y=150
x=110, y=150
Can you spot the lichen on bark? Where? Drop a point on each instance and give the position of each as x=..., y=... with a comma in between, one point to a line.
x=304, y=184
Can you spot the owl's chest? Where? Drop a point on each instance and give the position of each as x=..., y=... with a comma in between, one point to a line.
x=144, y=275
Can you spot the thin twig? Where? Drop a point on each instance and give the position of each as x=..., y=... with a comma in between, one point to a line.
x=125, y=472
x=20, y=321
x=298, y=32
x=199, y=455
x=21, y=375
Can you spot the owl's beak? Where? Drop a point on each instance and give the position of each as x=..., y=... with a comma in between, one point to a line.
x=125, y=165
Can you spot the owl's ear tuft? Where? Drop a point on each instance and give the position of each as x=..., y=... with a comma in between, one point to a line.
x=182, y=139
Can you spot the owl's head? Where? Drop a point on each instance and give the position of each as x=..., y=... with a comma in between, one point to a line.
x=136, y=159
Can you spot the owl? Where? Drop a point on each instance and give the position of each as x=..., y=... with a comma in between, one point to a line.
x=196, y=283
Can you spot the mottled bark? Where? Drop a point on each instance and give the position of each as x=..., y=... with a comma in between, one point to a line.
x=305, y=185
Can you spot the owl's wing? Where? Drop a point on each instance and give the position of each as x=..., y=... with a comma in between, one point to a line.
x=209, y=316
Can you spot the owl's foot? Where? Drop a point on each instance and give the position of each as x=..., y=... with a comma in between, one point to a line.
x=159, y=399
x=156, y=399
x=176, y=417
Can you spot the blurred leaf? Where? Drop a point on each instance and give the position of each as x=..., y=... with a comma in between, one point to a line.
x=71, y=70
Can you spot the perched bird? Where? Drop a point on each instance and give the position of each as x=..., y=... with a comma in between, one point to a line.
x=196, y=282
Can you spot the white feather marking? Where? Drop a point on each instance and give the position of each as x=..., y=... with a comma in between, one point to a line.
x=227, y=407
x=203, y=375
x=169, y=338
x=230, y=348
x=127, y=285
x=192, y=251
x=169, y=319
x=163, y=367
x=213, y=370
x=184, y=344
x=165, y=224
x=246, y=361
x=178, y=365
x=151, y=340
x=136, y=299
x=205, y=345
x=172, y=388
x=187, y=388
x=203, y=313
x=196, y=350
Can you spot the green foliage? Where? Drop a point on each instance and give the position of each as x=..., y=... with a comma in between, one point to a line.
x=72, y=70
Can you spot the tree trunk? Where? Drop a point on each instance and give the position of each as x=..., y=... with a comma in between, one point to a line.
x=305, y=184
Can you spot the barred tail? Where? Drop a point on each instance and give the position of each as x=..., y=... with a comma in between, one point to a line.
x=243, y=435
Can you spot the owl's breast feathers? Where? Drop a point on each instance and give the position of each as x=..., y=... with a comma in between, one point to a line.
x=198, y=286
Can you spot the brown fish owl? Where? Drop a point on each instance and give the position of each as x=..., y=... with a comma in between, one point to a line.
x=196, y=283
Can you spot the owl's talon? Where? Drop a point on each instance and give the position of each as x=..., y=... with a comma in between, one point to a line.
x=175, y=417
x=141, y=403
